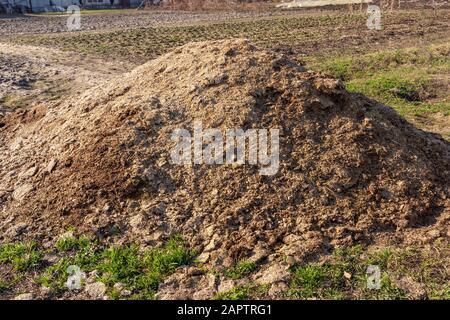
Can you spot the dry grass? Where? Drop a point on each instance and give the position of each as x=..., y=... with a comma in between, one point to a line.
x=214, y=5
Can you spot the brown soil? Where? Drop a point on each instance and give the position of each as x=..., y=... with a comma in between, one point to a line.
x=351, y=169
x=434, y=122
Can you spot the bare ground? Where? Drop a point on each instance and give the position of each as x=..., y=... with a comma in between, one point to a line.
x=30, y=75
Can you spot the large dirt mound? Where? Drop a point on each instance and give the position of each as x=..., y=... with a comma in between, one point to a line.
x=351, y=170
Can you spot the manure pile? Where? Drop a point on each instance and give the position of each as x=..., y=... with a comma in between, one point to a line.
x=350, y=170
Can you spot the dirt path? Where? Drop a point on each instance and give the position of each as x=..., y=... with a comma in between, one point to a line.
x=31, y=74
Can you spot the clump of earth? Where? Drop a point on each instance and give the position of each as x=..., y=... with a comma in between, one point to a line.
x=351, y=171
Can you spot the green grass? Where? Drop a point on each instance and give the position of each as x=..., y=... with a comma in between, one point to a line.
x=347, y=67
x=237, y=293
x=326, y=281
x=426, y=267
x=440, y=293
x=400, y=90
x=390, y=86
x=71, y=243
x=308, y=281
x=343, y=275
x=21, y=256
x=165, y=260
x=240, y=270
x=140, y=272
x=3, y=286
x=81, y=252
x=39, y=91
x=404, y=79
x=329, y=281
x=13, y=101
x=126, y=266
x=143, y=272
x=243, y=292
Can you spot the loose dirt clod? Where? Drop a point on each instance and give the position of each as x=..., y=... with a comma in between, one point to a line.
x=351, y=170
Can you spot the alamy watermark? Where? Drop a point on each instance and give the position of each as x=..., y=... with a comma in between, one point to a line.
x=373, y=274
x=236, y=147
x=374, y=19
x=74, y=19
x=76, y=276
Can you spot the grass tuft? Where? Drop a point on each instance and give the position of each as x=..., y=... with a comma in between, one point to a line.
x=22, y=256
x=237, y=293
x=140, y=272
x=240, y=270
x=71, y=243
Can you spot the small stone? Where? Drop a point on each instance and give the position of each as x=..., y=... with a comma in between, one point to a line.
x=17, y=144
x=155, y=236
x=118, y=286
x=277, y=288
x=51, y=165
x=16, y=230
x=24, y=296
x=45, y=292
x=209, y=231
x=66, y=235
x=161, y=162
x=259, y=254
x=96, y=290
x=20, y=193
x=347, y=275
x=193, y=271
x=107, y=208
x=47, y=244
x=204, y=257
x=225, y=286
x=92, y=276
x=290, y=260
x=125, y=293
x=434, y=234
x=136, y=221
x=212, y=244
x=50, y=258
x=275, y=273
x=29, y=173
